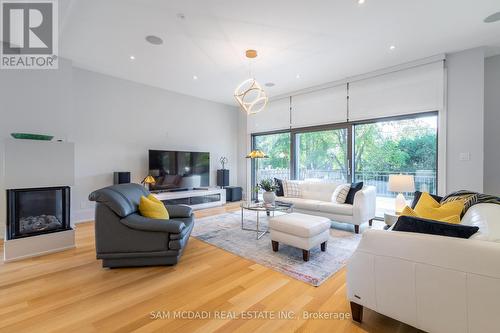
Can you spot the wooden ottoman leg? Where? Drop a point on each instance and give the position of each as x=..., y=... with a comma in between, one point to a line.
x=276, y=245
x=356, y=229
x=357, y=312
x=323, y=246
x=305, y=255
x=370, y=222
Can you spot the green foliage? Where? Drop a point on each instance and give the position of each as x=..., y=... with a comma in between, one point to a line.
x=277, y=147
x=267, y=185
x=395, y=146
x=391, y=146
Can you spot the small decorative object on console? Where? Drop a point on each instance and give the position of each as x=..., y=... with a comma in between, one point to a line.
x=223, y=161
x=30, y=136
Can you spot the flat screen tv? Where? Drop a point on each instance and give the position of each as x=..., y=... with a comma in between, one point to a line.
x=179, y=170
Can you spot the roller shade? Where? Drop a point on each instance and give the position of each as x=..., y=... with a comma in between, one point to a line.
x=276, y=116
x=320, y=107
x=413, y=90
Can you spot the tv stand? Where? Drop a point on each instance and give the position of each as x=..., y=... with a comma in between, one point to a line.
x=197, y=199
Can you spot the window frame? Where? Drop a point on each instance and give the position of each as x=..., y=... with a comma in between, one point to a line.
x=350, y=126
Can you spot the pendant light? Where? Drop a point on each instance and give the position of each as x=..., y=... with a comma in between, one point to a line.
x=249, y=94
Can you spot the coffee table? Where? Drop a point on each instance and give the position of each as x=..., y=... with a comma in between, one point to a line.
x=259, y=207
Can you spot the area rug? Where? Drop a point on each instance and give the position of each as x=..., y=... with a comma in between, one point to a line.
x=224, y=231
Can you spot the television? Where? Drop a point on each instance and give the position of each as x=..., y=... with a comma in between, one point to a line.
x=179, y=170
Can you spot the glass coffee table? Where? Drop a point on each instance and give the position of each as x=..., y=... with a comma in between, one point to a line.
x=269, y=209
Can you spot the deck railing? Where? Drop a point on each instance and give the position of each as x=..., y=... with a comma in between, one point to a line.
x=425, y=180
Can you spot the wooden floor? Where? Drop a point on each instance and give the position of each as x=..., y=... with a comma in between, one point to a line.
x=70, y=292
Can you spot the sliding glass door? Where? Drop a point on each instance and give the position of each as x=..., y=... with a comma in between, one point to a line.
x=322, y=154
x=398, y=146
x=367, y=151
x=277, y=148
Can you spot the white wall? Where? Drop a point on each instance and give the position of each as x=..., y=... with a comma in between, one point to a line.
x=492, y=125
x=465, y=120
x=243, y=149
x=113, y=123
x=461, y=154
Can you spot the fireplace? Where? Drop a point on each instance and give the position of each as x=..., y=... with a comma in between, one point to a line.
x=36, y=211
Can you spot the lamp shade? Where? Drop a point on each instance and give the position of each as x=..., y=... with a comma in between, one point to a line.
x=256, y=154
x=401, y=183
x=149, y=180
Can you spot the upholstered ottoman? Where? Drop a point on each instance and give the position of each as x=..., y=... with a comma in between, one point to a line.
x=300, y=230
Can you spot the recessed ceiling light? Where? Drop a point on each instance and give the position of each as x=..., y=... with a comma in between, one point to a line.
x=269, y=84
x=297, y=76
x=155, y=40
x=492, y=18
x=132, y=57
x=392, y=47
x=360, y=2
x=195, y=77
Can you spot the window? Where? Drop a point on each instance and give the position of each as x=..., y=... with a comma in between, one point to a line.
x=277, y=147
x=407, y=146
x=322, y=155
x=372, y=149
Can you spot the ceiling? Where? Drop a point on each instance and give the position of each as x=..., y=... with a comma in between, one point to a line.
x=321, y=41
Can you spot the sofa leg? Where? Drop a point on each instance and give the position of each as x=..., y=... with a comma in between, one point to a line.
x=305, y=255
x=370, y=222
x=356, y=229
x=357, y=312
x=276, y=245
x=323, y=246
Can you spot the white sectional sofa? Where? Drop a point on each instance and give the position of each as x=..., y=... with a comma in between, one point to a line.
x=316, y=199
x=435, y=283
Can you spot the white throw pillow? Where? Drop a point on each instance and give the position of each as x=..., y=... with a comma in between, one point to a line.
x=291, y=189
x=340, y=193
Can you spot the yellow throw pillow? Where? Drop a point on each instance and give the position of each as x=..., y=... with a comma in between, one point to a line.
x=429, y=208
x=153, y=208
x=407, y=211
x=455, y=219
x=155, y=199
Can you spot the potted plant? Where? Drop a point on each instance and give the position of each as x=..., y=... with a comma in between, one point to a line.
x=269, y=187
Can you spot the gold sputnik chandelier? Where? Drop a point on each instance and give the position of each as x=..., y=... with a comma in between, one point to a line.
x=249, y=93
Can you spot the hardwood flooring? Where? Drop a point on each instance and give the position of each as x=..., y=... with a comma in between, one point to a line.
x=70, y=292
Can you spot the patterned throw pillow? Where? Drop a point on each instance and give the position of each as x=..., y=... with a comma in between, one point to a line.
x=340, y=193
x=469, y=199
x=291, y=189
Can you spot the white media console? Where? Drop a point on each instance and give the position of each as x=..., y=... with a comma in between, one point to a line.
x=197, y=199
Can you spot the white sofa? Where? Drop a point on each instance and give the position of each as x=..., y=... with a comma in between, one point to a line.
x=435, y=283
x=316, y=199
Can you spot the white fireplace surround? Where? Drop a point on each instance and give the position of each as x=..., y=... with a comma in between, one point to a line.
x=32, y=164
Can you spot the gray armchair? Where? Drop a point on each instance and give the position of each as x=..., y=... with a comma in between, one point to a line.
x=124, y=238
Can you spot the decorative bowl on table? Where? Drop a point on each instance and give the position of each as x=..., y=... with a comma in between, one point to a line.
x=31, y=136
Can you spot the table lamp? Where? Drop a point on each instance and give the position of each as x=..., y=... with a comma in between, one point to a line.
x=148, y=180
x=401, y=183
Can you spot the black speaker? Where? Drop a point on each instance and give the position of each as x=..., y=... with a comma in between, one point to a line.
x=121, y=177
x=223, y=177
x=233, y=193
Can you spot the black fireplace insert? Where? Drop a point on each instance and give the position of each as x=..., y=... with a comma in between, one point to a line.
x=36, y=211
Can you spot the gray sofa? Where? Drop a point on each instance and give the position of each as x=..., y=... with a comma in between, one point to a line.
x=124, y=238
